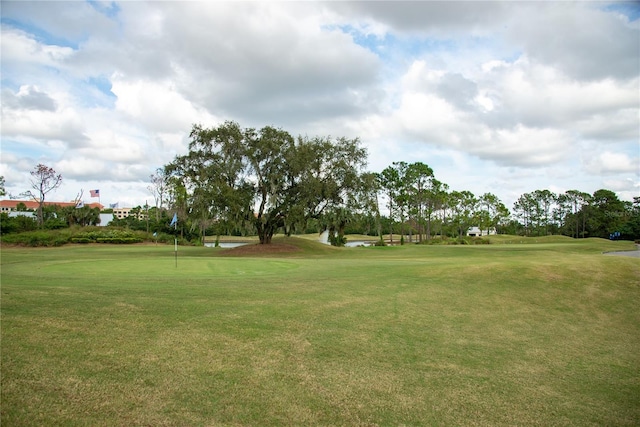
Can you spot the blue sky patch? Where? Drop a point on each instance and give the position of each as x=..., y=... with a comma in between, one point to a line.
x=631, y=9
x=96, y=92
x=103, y=84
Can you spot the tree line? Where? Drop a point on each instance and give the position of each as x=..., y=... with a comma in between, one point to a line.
x=50, y=217
x=577, y=214
x=238, y=180
x=246, y=181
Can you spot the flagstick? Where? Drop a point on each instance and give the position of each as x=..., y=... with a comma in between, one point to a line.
x=174, y=222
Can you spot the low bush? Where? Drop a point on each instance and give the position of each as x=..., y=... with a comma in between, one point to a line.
x=480, y=241
x=113, y=236
x=119, y=240
x=38, y=238
x=458, y=241
x=81, y=235
x=81, y=240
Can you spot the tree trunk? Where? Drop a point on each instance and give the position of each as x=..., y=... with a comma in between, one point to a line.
x=378, y=221
x=401, y=227
x=265, y=233
x=410, y=231
x=41, y=212
x=265, y=239
x=340, y=240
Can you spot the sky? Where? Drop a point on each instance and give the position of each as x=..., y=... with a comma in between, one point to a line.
x=499, y=97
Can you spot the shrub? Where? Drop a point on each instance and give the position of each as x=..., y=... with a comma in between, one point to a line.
x=480, y=241
x=60, y=241
x=115, y=236
x=55, y=224
x=37, y=238
x=81, y=235
x=81, y=240
x=458, y=241
x=17, y=224
x=118, y=240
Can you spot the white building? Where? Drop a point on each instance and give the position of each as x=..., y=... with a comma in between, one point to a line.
x=476, y=232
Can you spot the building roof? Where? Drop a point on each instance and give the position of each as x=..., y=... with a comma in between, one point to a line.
x=32, y=204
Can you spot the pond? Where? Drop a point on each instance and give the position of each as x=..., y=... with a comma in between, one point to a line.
x=226, y=244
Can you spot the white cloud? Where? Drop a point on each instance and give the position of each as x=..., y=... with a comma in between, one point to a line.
x=82, y=167
x=21, y=49
x=621, y=125
x=581, y=40
x=277, y=66
x=439, y=19
x=115, y=147
x=28, y=98
x=64, y=124
x=539, y=95
x=608, y=163
x=155, y=105
x=525, y=146
x=623, y=185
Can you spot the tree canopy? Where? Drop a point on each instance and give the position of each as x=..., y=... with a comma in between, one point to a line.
x=243, y=181
x=265, y=178
x=262, y=181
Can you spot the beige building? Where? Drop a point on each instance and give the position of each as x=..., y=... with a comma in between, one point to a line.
x=121, y=213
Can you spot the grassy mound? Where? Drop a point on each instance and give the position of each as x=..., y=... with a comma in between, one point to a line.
x=513, y=239
x=280, y=246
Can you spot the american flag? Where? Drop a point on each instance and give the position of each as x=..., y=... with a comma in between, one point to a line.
x=95, y=193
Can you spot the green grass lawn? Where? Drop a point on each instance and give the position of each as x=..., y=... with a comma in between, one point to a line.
x=503, y=334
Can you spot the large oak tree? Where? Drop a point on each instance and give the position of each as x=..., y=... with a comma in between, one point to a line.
x=266, y=177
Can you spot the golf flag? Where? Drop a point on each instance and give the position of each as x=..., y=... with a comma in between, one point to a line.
x=174, y=221
x=95, y=193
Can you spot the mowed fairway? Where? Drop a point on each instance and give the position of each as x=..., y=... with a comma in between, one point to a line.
x=544, y=333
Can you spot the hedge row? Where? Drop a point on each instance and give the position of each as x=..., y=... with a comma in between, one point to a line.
x=115, y=236
x=76, y=235
x=114, y=240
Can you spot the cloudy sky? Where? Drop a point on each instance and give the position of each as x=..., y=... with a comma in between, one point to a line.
x=501, y=97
